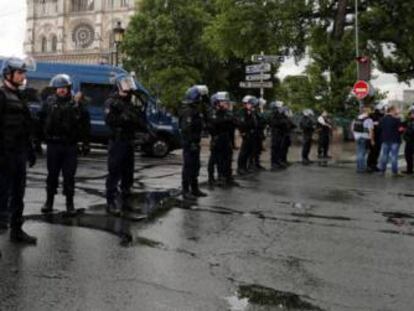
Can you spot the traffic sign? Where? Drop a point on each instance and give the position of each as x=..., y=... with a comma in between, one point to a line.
x=259, y=77
x=268, y=58
x=361, y=89
x=256, y=85
x=259, y=68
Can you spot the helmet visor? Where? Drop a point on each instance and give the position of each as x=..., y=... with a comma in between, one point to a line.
x=127, y=84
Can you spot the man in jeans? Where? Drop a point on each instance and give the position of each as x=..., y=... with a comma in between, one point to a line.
x=363, y=128
x=390, y=127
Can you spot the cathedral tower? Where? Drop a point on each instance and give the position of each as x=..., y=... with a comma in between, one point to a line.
x=74, y=31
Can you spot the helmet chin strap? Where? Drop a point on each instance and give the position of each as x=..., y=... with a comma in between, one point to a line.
x=14, y=84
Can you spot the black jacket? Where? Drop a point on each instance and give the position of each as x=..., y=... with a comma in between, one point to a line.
x=191, y=124
x=123, y=118
x=65, y=121
x=15, y=122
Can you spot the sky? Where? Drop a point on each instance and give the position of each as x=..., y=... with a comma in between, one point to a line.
x=12, y=29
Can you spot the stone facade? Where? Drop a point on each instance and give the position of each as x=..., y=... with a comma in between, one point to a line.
x=74, y=31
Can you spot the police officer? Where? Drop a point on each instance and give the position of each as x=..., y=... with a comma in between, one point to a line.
x=66, y=122
x=123, y=118
x=325, y=128
x=409, y=141
x=307, y=126
x=220, y=124
x=287, y=139
x=278, y=126
x=15, y=147
x=247, y=125
x=259, y=135
x=191, y=122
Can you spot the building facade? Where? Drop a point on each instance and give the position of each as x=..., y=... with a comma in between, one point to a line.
x=75, y=31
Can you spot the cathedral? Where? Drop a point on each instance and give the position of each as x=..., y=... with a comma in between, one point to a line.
x=75, y=31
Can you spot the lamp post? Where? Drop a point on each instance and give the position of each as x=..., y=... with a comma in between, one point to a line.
x=118, y=38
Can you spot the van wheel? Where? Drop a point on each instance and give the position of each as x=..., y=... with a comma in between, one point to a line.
x=159, y=148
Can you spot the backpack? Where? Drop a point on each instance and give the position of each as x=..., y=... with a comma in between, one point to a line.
x=358, y=126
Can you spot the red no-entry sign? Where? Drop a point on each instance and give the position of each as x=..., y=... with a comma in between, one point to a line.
x=361, y=89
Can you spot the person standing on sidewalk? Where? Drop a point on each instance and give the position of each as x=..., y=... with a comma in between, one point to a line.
x=363, y=128
x=307, y=126
x=325, y=128
x=391, y=128
x=375, y=150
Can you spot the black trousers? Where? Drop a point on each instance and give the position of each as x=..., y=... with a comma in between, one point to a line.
x=306, y=146
x=409, y=154
x=191, y=166
x=61, y=158
x=12, y=188
x=276, y=149
x=120, y=168
x=246, y=152
x=373, y=155
x=323, y=146
x=221, y=154
x=286, y=143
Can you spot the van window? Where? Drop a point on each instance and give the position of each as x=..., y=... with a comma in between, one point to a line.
x=96, y=93
x=38, y=84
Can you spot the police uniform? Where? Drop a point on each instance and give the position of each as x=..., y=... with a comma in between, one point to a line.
x=123, y=118
x=324, y=137
x=375, y=151
x=247, y=125
x=191, y=126
x=307, y=126
x=279, y=129
x=259, y=139
x=66, y=122
x=220, y=125
x=15, y=150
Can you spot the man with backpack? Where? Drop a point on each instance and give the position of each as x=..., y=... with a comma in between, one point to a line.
x=363, y=128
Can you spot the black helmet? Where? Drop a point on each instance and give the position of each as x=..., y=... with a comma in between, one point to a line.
x=14, y=63
x=60, y=81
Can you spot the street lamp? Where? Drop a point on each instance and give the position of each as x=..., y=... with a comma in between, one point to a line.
x=118, y=38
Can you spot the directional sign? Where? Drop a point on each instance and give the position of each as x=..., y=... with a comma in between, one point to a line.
x=361, y=89
x=268, y=58
x=259, y=77
x=259, y=68
x=256, y=85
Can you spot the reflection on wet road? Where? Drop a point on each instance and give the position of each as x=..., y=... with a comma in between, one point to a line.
x=314, y=238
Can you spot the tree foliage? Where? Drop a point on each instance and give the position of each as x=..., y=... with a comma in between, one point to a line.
x=174, y=44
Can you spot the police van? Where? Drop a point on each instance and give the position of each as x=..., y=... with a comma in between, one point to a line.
x=95, y=82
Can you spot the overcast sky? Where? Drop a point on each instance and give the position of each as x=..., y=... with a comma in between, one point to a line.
x=12, y=28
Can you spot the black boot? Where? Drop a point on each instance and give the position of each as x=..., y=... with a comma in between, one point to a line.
x=70, y=206
x=112, y=208
x=195, y=190
x=17, y=235
x=48, y=206
x=187, y=195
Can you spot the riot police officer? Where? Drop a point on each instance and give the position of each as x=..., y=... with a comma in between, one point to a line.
x=279, y=127
x=409, y=141
x=123, y=118
x=287, y=139
x=247, y=125
x=259, y=135
x=66, y=122
x=191, y=122
x=220, y=124
x=15, y=147
x=307, y=126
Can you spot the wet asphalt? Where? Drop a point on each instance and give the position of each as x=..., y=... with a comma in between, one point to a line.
x=307, y=238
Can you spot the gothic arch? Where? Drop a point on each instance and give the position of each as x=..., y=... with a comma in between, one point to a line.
x=53, y=42
x=43, y=44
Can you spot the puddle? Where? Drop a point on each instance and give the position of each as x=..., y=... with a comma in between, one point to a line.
x=146, y=206
x=257, y=297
